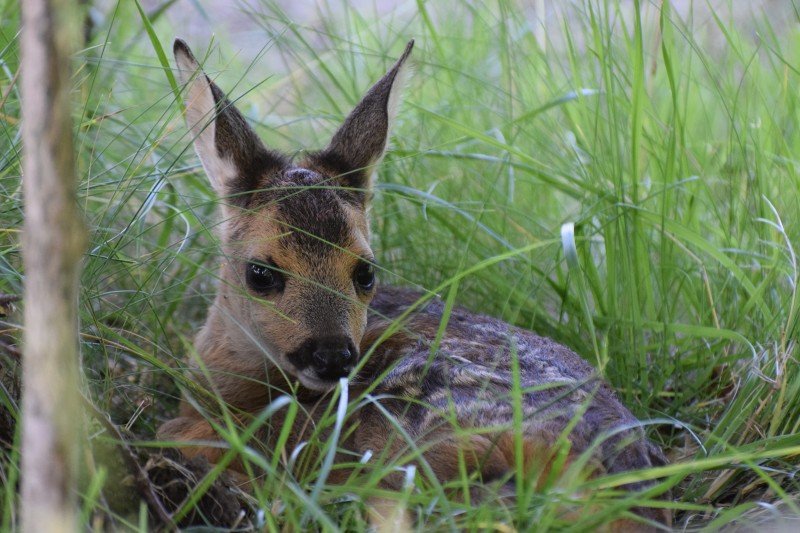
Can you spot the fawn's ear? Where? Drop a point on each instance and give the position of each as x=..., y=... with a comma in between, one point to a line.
x=358, y=146
x=232, y=155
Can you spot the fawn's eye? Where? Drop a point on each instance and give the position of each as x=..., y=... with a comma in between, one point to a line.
x=262, y=278
x=364, y=276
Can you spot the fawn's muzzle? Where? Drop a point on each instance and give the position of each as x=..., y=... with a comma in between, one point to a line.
x=330, y=358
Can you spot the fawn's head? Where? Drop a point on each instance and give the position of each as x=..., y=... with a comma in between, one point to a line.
x=298, y=273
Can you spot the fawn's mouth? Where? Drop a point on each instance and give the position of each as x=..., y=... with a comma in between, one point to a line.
x=309, y=379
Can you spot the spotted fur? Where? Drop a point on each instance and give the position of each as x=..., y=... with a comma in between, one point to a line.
x=454, y=401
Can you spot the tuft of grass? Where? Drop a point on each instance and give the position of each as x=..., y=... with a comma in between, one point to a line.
x=625, y=182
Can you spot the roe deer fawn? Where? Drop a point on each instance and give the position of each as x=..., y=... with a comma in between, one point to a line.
x=298, y=307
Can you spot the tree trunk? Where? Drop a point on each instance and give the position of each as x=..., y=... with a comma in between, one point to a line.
x=53, y=242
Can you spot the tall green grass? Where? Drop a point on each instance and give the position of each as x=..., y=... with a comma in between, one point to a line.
x=647, y=159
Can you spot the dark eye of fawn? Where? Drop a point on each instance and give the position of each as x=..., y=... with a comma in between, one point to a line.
x=364, y=276
x=263, y=279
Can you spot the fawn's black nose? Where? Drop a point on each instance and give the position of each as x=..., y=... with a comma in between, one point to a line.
x=333, y=358
x=330, y=358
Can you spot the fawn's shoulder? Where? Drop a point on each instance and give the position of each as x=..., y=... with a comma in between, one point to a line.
x=474, y=336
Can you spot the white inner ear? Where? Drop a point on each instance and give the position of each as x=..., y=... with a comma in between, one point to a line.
x=200, y=118
x=392, y=105
x=398, y=87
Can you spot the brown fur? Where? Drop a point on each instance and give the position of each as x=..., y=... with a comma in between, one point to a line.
x=455, y=404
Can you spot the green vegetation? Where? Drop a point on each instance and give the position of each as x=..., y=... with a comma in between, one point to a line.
x=670, y=141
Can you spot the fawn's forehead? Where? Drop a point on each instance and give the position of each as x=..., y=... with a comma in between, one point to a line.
x=303, y=211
